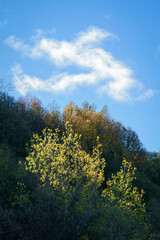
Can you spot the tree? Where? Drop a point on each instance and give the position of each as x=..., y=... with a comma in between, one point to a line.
x=124, y=206
x=68, y=172
x=5, y=86
x=120, y=189
x=14, y=128
x=34, y=113
x=117, y=141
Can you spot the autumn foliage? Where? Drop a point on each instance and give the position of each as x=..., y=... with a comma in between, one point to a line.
x=73, y=175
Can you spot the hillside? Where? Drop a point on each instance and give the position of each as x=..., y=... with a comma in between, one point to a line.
x=76, y=174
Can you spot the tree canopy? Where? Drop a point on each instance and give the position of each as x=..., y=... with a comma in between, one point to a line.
x=82, y=175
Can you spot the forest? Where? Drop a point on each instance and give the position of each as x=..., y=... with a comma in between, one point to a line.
x=76, y=174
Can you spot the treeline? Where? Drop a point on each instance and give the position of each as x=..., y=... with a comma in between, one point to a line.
x=49, y=187
x=153, y=155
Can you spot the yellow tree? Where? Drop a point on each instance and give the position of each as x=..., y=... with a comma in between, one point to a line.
x=64, y=167
x=120, y=190
x=75, y=177
x=124, y=206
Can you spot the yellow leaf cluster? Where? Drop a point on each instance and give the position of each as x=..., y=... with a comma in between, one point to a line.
x=62, y=164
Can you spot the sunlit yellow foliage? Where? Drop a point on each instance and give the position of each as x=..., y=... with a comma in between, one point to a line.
x=76, y=177
x=120, y=190
x=62, y=164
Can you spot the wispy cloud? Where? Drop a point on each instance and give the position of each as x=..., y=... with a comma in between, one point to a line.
x=146, y=95
x=109, y=75
x=17, y=44
x=39, y=33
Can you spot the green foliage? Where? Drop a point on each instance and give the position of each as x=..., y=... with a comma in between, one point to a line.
x=8, y=176
x=69, y=173
x=9, y=228
x=152, y=170
x=60, y=190
x=19, y=119
x=13, y=127
x=148, y=178
x=75, y=177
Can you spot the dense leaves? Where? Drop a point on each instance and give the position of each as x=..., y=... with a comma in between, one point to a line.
x=75, y=177
x=63, y=186
x=118, y=142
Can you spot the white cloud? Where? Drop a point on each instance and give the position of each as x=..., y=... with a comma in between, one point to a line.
x=146, y=95
x=17, y=44
x=109, y=75
x=39, y=33
x=58, y=82
x=24, y=83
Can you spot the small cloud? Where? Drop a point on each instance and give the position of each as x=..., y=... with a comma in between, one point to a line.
x=110, y=76
x=146, y=95
x=17, y=44
x=39, y=33
x=25, y=83
x=92, y=35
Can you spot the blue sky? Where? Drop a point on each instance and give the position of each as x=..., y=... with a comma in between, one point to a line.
x=106, y=52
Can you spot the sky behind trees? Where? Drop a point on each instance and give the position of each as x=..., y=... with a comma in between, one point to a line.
x=104, y=52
